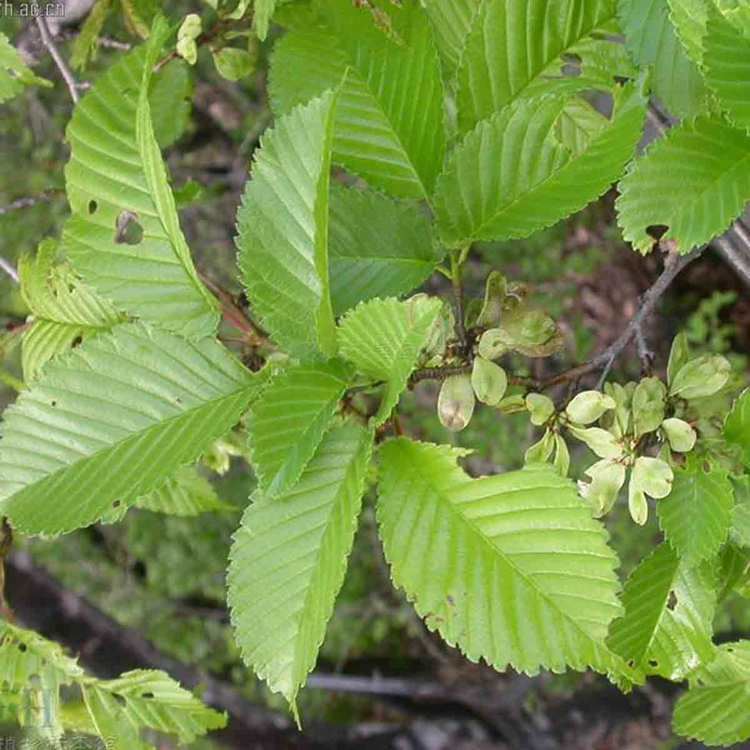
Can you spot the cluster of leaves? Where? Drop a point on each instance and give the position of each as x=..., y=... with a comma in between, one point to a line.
x=456, y=122
x=52, y=695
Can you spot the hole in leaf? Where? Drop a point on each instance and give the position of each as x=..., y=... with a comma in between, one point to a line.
x=93, y=206
x=671, y=601
x=120, y=699
x=657, y=231
x=22, y=648
x=631, y=663
x=116, y=504
x=147, y=695
x=77, y=341
x=127, y=229
x=571, y=65
x=653, y=663
x=53, y=403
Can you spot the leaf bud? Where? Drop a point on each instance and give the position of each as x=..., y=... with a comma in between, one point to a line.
x=648, y=405
x=456, y=401
x=601, y=442
x=637, y=504
x=652, y=476
x=701, y=377
x=512, y=404
x=494, y=294
x=540, y=407
x=607, y=478
x=679, y=354
x=489, y=381
x=540, y=451
x=493, y=344
x=562, y=455
x=680, y=434
x=588, y=406
x=532, y=333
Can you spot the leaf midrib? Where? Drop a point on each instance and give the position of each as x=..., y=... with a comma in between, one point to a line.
x=118, y=444
x=511, y=564
x=338, y=499
x=537, y=73
x=354, y=70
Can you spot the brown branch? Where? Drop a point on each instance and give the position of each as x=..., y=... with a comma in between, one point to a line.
x=62, y=66
x=10, y=269
x=28, y=202
x=6, y=544
x=438, y=373
x=234, y=314
x=604, y=360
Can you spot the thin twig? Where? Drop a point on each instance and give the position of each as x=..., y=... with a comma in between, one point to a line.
x=458, y=295
x=672, y=267
x=62, y=66
x=6, y=543
x=28, y=202
x=9, y=268
x=644, y=353
x=107, y=43
x=234, y=314
x=438, y=373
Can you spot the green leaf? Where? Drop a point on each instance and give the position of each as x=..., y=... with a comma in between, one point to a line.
x=669, y=609
x=512, y=176
x=116, y=200
x=378, y=247
x=511, y=568
x=688, y=18
x=262, y=14
x=85, y=44
x=283, y=230
x=146, y=699
x=389, y=122
x=111, y=421
x=653, y=42
x=383, y=339
x=139, y=15
x=579, y=122
x=65, y=309
x=727, y=65
x=24, y=653
x=289, y=558
x=518, y=48
x=170, y=98
x=14, y=73
x=187, y=493
x=157, y=180
x=696, y=516
x=716, y=709
x=288, y=423
x=740, y=530
x=737, y=427
x=32, y=669
x=694, y=181
x=233, y=63
x=451, y=22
